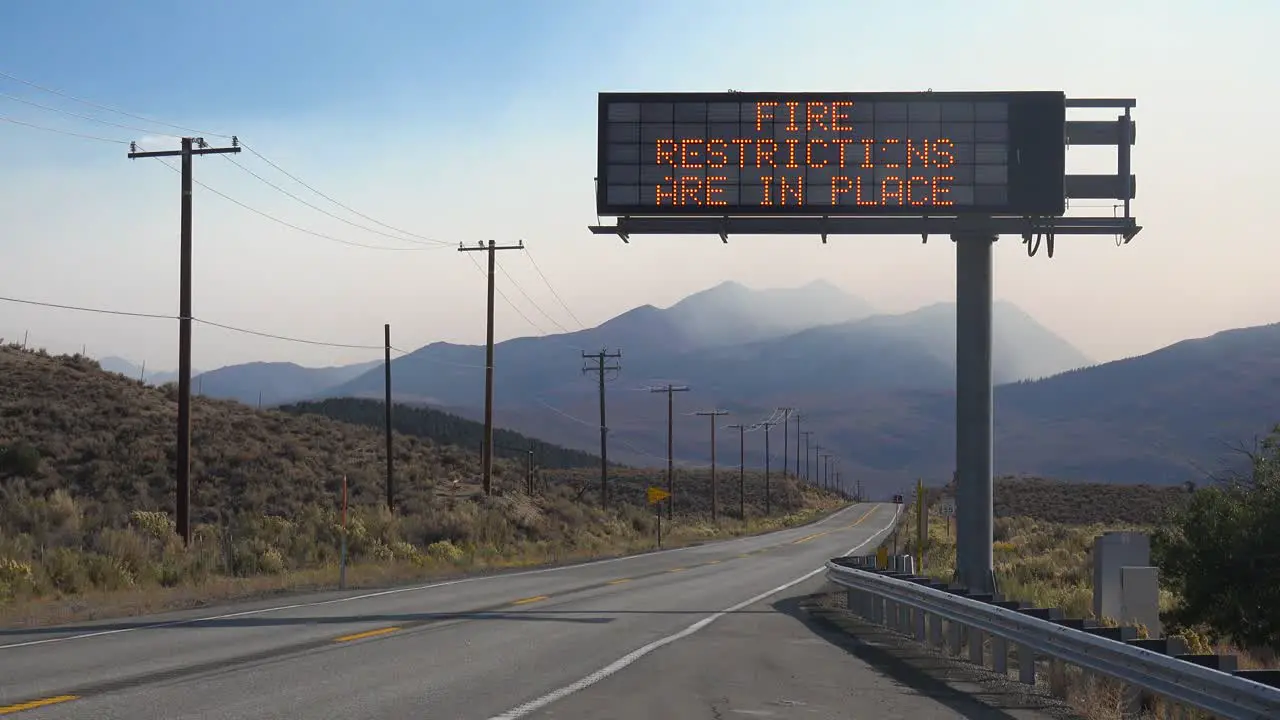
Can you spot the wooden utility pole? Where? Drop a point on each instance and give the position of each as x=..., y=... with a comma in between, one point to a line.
x=386, y=364
x=786, y=417
x=713, y=414
x=767, y=502
x=190, y=148
x=600, y=367
x=742, y=470
x=806, y=435
x=825, y=467
x=818, y=479
x=528, y=475
x=487, y=455
x=797, y=446
x=670, y=390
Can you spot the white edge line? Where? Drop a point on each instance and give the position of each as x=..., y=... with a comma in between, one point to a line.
x=625, y=660
x=394, y=591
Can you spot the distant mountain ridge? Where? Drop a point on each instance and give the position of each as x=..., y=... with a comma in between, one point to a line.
x=276, y=382
x=120, y=366
x=877, y=389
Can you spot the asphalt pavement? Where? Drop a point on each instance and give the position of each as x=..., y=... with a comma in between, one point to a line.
x=692, y=632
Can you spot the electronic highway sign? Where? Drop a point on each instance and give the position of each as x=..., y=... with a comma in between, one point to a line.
x=832, y=154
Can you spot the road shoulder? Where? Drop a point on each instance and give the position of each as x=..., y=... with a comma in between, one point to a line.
x=795, y=656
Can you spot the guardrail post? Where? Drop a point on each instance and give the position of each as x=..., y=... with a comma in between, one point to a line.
x=977, y=654
x=999, y=647
x=935, y=631
x=1026, y=665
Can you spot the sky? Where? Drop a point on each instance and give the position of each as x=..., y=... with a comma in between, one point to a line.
x=465, y=122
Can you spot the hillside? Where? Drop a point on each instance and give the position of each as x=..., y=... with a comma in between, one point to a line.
x=1079, y=504
x=1164, y=418
x=86, y=494
x=444, y=428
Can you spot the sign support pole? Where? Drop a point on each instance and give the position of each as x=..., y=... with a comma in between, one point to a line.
x=974, y=451
x=657, y=513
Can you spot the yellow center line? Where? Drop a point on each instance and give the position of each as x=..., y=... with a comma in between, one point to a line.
x=745, y=555
x=713, y=562
x=619, y=581
x=366, y=634
x=526, y=601
x=676, y=570
x=864, y=517
x=807, y=538
x=7, y=709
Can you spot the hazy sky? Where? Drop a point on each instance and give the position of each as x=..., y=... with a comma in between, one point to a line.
x=476, y=120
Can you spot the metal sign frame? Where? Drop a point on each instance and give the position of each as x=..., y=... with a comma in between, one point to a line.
x=974, y=236
x=1033, y=119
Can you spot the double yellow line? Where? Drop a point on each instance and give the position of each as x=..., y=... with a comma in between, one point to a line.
x=32, y=705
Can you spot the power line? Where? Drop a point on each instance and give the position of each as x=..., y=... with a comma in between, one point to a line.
x=78, y=308
x=273, y=336
x=532, y=302
x=252, y=150
x=553, y=290
x=100, y=106
x=90, y=118
x=503, y=295
x=335, y=202
x=298, y=228
x=61, y=132
x=332, y=215
x=159, y=316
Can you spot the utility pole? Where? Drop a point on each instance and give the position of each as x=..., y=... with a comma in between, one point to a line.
x=188, y=151
x=600, y=367
x=819, y=480
x=768, y=509
x=386, y=364
x=806, y=435
x=742, y=470
x=528, y=475
x=713, y=414
x=798, y=446
x=786, y=416
x=670, y=390
x=826, y=467
x=487, y=458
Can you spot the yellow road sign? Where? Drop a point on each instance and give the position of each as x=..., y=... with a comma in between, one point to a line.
x=882, y=557
x=657, y=495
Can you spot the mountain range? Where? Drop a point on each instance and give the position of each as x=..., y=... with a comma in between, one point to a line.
x=877, y=389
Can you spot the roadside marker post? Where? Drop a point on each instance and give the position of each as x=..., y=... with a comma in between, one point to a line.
x=656, y=496
x=342, y=559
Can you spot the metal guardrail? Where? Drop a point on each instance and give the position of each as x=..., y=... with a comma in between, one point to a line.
x=905, y=602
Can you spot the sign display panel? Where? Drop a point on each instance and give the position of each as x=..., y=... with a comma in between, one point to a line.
x=837, y=154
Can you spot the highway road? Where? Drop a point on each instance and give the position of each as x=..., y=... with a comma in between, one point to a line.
x=692, y=632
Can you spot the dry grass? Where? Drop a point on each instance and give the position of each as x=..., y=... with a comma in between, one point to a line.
x=1050, y=564
x=86, y=468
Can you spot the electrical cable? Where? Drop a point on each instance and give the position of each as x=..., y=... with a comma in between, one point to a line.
x=100, y=106
x=61, y=132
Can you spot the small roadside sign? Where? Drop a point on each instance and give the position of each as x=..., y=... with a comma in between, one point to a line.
x=656, y=495
x=947, y=506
